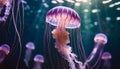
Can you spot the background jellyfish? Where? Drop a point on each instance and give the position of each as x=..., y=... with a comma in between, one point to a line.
x=100, y=40
x=30, y=47
x=38, y=60
x=106, y=56
x=63, y=17
x=4, y=51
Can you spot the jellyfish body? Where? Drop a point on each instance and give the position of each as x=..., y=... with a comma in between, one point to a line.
x=4, y=51
x=63, y=17
x=106, y=56
x=30, y=47
x=38, y=59
x=100, y=40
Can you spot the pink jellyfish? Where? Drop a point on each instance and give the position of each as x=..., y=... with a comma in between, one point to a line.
x=30, y=47
x=4, y=51
x=38, y=59
x=100, y=40
x=63, y=17
x=106, y=56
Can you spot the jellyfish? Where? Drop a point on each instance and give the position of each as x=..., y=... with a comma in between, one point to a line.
x=64, y=18
x=30, y=47
x=106, y=56
x=4, y=51
x=38, y=59
x=100, y=40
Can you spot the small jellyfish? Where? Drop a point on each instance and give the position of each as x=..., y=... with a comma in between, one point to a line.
x=38, y=59
x=100, y=40
x=106, y=56
x=4, y=51
x=30, y=47
x=63, y=17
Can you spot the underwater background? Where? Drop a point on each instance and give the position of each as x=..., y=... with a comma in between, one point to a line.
x=31, y=26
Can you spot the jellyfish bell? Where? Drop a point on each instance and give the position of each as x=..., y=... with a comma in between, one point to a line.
x=5, y=48
x=30, y=45
x=4, y=51
x=100, y=38
x=65, y=17
x=39, y=59
x=106, y=56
